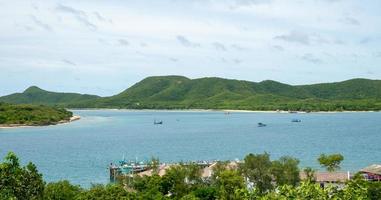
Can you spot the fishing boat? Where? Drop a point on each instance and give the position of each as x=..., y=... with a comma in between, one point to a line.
x=260, y=124
x=296, y=120
x=157, y=122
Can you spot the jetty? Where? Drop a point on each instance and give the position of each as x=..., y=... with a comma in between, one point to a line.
x=129, y=168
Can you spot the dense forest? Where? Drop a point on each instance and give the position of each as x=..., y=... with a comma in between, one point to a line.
x=177, y=92
x=270, y=180
x=31, y=115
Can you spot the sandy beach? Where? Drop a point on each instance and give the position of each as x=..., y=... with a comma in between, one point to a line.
x=214, y=110
x=73, y=118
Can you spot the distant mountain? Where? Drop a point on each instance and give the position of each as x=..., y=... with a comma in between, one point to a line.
x=36, y=95
x=178, y=92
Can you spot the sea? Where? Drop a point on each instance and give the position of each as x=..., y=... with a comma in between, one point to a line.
x=81, y=151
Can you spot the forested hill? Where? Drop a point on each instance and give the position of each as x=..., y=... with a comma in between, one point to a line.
x=36, y=95
x=178, y=92
x=32, y=115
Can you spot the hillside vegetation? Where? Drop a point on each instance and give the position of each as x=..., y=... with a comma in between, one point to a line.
x=35, y=95
x=31, y=115
x=178, y=92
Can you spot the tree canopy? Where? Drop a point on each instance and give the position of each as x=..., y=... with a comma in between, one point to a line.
x=32, y=115
x=331, y=162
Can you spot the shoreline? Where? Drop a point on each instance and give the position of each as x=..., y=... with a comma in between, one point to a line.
x=9, y=126
x=215, y=110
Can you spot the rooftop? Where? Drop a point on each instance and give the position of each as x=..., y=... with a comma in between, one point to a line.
x=329, y=176
x=374, y=169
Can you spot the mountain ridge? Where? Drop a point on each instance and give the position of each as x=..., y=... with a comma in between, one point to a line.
x=180, y=92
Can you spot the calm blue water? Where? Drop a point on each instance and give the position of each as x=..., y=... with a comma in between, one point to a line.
x=81, y=151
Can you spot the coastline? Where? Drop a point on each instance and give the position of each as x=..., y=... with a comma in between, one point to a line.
x=215, y=110
x=72, y=119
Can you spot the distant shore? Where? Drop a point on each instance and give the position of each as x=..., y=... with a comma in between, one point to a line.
x=73, y=118
x=216, y=110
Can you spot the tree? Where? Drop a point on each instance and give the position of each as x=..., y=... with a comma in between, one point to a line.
x=331, y=162
x=173, y=181
x=150, y=187
x=154, y=165
x=193, y=173
x=219, y=167
x=61, y=190
x=286, y=171
x=190, y=197
x=18, y=182
x=227, y=183
x=106, y=192
x=205, y=192
x=305, y=191
x=257, y=168
x=310, y=174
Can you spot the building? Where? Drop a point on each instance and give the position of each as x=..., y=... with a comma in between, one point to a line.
x=333, y=178
x=372, y=172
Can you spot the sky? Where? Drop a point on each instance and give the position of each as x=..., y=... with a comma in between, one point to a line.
x=103, y=47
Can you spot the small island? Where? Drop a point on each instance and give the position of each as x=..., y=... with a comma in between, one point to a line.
x=12, y=115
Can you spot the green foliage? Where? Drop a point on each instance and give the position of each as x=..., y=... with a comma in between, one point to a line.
x=154, y=165
x=107, y=192
x=17, y=182
x=149, y=187
x=205, y=192
x=37, y=96
x=177, y=92
x=189, y=197
x=310, y=174
x=179, y=179
x=61, y=190
x=257, y=168
x=286, y=171
x=227, y=183
x=331, y=162
x=183, y=182
x=32, y=115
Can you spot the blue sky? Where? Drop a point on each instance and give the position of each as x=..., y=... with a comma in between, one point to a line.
x=103, y=47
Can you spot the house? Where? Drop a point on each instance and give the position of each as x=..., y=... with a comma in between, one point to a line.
x=335, y=178
x=372, y=172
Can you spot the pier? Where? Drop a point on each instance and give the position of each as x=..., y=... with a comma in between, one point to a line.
x=131, y=168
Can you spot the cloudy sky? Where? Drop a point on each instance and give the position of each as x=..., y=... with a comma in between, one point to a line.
x=103, y=47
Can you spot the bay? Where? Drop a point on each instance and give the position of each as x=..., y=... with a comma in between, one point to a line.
x=82, y=150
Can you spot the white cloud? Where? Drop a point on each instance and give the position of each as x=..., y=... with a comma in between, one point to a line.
x=186, y=42
x=193, y=38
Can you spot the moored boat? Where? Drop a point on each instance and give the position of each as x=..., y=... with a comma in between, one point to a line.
x=260, y=124
x=157, y=122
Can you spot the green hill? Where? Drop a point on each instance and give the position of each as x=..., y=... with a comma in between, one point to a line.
x=35, y=95
x=178, y=92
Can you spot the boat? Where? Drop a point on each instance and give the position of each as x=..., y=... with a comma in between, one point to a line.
x=157, y=122
x=296, y=120
x=261, y=124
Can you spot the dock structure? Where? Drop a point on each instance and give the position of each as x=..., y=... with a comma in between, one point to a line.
x=131, y=168
x=126, y=168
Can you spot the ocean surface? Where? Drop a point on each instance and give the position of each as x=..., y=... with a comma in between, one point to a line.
x=82, y=150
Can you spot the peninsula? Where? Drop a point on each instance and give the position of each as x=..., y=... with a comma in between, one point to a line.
x=33, y=115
